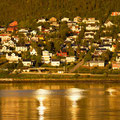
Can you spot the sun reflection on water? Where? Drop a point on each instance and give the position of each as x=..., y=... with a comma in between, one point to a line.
x=41, y=96
x=74, y=95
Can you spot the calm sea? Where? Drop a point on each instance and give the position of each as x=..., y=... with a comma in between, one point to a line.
x=64, y=101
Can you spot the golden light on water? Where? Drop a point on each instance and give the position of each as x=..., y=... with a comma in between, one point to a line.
x=74, y=98
x=41, y=96
x=111, y=91
x=41, y=108
x=74, y=95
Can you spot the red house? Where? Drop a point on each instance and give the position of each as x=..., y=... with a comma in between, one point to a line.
x=115, y=65
x=62, y=53
x=115, y=14
x=12, y=26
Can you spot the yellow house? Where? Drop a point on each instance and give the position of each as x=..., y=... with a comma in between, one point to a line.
x=41, y=37
x=52, y=19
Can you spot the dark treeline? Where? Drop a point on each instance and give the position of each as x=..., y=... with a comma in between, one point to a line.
x=23, y=10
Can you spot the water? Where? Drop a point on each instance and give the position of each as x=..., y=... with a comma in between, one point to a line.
x=40, y=101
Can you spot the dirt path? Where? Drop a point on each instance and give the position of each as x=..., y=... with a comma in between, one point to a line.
x=76, y=66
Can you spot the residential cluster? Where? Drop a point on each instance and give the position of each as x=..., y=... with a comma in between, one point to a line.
x=59, y=42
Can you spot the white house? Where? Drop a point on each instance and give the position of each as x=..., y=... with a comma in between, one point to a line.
x=27, y=63
x=108, y=24
x=46, y=56
x=65, y=19
x=9, y=43
x=89, y=35
x=21, y=48
x=5, y=49
x=34, y=32
x=70, y=59
x=46, y=59
x=13, y=57
x=33, y=52
x=96, y=63
x=92, y=27
x=23, y=31
x=55, y=63
x=39, y=28
x=41, y=20
x=107, y=47
x=90, y=21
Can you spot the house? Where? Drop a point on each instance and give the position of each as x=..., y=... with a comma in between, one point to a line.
x=46, y=31
x=12, y=26
x=76, y=28
x=106, y=40
x=113, y=48
x=41, y=20
x=35, y=38
x=2, y=29
x=34, y=32
x=70, y=38
x=54, y=24
x=52, y=19
x=33, y=52
x=13, y=57
x=5, y=49
x=62, y=53
x=21, y=48
x=108, y=23
x=89, y=35
x=99, y=51
x=23, y=31
x=90, y=21
x=115, y=65
x=115, y=14
x=71, y=23
x=83, y=50
x=46, y=57
x=55, y=62
x=40, y=37
x=96, y=63
x=45, y=53
x=118, y=57
x=92, y=27
x=65, y=19
x=27, y=63
x=9, y=43
x=39, y=28
x=107, y=47
x=4, y=37
x=77, y=19
x=70, y=59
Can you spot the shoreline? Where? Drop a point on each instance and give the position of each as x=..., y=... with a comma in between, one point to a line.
x=55, y=77
x=46, y=80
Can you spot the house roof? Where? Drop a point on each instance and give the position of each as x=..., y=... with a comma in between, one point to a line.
x=13, y=24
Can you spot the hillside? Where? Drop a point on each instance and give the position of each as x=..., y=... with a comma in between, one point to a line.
x=22, y=10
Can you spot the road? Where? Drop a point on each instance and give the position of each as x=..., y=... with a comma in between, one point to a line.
x=76, y=66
